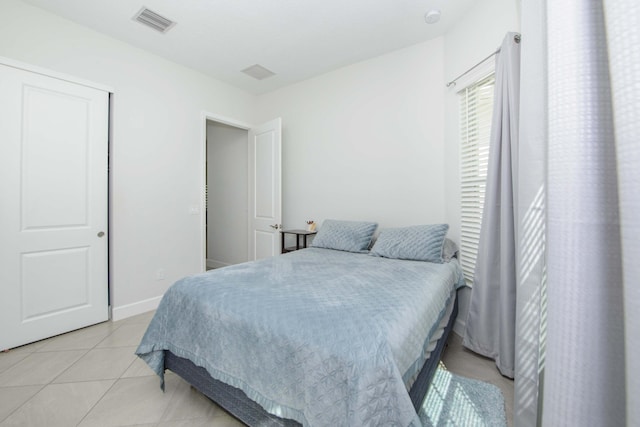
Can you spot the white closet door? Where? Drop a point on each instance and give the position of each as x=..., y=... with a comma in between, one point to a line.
x=53, y=216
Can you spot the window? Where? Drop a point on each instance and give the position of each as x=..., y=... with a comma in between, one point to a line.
x=476, y=108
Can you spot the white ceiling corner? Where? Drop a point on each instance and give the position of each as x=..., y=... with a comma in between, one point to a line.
x=296, y=39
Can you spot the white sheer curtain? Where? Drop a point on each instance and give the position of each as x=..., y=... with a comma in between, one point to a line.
x=585, y=338
x=490, y=326
x=591, y=90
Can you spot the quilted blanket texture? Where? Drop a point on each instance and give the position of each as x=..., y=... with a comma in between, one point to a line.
x=324, y=337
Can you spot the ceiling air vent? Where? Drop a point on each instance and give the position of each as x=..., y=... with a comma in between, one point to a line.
x=258, y=72
x=153, y=20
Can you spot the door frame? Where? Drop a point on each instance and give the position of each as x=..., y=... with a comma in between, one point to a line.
x=203, y=175
x=55, y=74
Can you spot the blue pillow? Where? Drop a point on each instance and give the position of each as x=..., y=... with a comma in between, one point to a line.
x=349, y=236
x=418, y=243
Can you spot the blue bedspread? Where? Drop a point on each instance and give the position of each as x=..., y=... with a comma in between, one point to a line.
x=324, y=337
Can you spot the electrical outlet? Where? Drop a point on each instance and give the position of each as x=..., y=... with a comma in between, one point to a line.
x=194, y=210
x=160, y=274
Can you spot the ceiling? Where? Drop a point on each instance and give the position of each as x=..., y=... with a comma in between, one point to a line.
x=296, y=39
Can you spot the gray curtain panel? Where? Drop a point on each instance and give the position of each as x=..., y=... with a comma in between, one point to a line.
x=490, y=327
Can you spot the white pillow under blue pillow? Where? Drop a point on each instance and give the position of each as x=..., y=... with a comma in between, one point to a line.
x=349, y=236
x=417, y=243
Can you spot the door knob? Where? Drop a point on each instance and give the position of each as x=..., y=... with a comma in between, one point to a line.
x=100, y=234
x=275, y=226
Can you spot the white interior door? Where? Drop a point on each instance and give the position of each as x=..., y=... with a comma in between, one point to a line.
x=53, y=219
x=265, y=190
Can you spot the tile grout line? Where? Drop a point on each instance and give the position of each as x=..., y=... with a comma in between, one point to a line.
x=87, y=352
x=107, y=390
x=97, y=401
x=112, y=385
x=13, y=364
x=42, y=386
x=114, y=382
x=161, y=419
x=165, y=389
x=51, y=381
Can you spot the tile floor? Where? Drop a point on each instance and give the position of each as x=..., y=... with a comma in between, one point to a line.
x=91, y=377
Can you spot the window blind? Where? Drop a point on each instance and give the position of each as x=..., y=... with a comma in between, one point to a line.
x=476, y=108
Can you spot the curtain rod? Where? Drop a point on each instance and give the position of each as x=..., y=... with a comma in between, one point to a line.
x=516, y=39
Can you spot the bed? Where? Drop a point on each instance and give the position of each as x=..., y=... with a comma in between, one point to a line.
x=318, y=337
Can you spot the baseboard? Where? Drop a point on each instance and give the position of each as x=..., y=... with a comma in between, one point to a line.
x=128, y=310
x=212, y=263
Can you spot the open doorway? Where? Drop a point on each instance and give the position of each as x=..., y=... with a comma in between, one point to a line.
x=226, y=216
x=242, y=188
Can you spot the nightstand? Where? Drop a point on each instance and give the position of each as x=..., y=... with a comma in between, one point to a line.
x=300, y=235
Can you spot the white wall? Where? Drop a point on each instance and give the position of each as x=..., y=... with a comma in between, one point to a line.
x=365, y=142
x=157, y=145
x=473, y=38
x=378, y=140
x=368, y=141
x=228, y=193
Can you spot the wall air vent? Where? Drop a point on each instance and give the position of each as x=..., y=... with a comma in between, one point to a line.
x=258, y=72
x=153, y=20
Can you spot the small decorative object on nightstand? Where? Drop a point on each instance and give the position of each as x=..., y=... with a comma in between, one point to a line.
x=299, y=234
